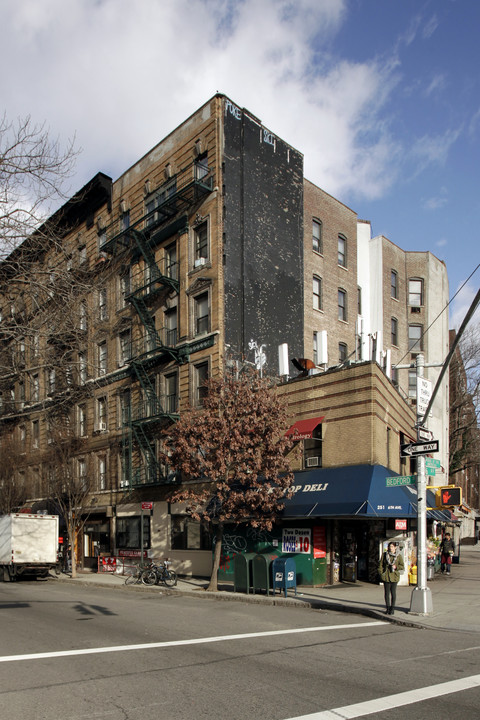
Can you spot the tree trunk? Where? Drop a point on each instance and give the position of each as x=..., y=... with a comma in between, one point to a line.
x=213, y=586
x=73, y=555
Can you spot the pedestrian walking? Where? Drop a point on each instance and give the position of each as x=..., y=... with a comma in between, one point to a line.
x=390, y=568
x=447, y=549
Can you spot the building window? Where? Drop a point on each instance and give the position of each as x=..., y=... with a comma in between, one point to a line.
x=102, y=357
x=154, y=202
x=342, y=305
x=102, y=304
x=125, y=288
x=128, y=532
x=82, y=368
x=171, y=327
x=81, y=420
x=189, y=534
x=35, y=388
x=35, y=433
x=171, y=263
x=317, y=240
x=125, y=407
x=342, y=251
x=124, y=347
x=415, y=340
x=312, y=449
x=315, y=348
x=51, y=381
x=82, y=320
x=394, y=322
x=201, y=166
x=200, y=242
x=101, y=414
x=394, y=284
x=124, y=220
x=102, y=473
x=201, y=314
x=82, y=254
x=415, y=292
x=199, y=382
x=82, y=473
x=21, y=395
x=412, y=384
x=317, y=293
x=342, y=352
x=171, y=393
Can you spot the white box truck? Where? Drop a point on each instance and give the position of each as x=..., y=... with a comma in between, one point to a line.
x=28, y=545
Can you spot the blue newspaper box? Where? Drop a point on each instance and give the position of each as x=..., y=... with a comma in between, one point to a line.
x=284, y=574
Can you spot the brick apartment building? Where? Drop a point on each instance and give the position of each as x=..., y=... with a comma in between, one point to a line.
x=210, y=247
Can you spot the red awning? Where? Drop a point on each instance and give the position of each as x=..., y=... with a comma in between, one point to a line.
x=303, y=429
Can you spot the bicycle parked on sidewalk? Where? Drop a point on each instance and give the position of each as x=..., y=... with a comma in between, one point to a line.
x=160, y=573
x=137, y=577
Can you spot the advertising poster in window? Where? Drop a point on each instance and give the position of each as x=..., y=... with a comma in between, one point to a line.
x=296, y=540
x=319, y=542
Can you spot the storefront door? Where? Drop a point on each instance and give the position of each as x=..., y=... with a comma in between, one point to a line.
x=349, y=556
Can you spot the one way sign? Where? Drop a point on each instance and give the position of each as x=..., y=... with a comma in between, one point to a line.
x=413, y=449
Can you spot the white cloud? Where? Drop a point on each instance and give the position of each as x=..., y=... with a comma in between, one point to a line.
x=123, y=74
x=461, y=305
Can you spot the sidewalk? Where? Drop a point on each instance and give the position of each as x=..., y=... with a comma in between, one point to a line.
x=455, y=598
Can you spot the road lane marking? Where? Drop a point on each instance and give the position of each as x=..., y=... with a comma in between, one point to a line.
x=378, y=705
x=177, y=643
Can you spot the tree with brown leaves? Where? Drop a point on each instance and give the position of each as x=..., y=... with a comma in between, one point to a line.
x=231, y=455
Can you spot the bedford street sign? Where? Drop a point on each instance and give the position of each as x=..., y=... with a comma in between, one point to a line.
x=400, y=480
x=418, y=448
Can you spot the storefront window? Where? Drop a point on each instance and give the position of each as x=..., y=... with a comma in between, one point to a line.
x=128, y=532
x=188, y=534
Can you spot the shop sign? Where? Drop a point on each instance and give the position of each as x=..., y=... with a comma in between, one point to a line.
x=319, y=542
x=109, y=564
x=131, y=553
x=147, y=505
x=296, y=540
x=400, y=524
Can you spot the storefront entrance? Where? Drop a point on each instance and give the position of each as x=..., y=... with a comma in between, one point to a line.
x=96, y=541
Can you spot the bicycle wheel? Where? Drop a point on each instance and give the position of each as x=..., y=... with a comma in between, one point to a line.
x=131, y=579
x=170, y=578
x=149, y=577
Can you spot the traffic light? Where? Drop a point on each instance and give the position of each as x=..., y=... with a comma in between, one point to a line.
x=448, y=496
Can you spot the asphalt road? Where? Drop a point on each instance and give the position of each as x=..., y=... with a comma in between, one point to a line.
x=72, y=652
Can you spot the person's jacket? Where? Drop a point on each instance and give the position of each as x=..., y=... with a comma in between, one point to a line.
x=447, y=547
x=386, y=568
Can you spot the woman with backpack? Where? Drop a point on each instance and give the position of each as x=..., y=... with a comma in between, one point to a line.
x=390, y=568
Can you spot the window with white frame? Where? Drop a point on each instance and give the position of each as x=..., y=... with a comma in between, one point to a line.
x=51, y=381
x=315, y=347
x=124, y=347
x=101, y=414
x=125, y=407
x=317, y=293
x=415, y=340
x=415, y=292
x=82, y=254
x=201, y=166
x=102, y=357
x=394, y=329
x=412, y=384
x=35, y=433
x=102, y=472
x=82, y=473
x=201, y=314
x=102, y=304
x=171, y=393
x=317, y=241
x=81, y=420
x=82, y=368
x=171, y=327
x=199, y=382
x=200, y=243
x=342, y=352
x=171, y=262
x=342, y=251
x=125, y=287
x=21, y=395
x=342, y=305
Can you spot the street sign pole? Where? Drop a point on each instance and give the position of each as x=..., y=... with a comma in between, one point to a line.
x=421, y=600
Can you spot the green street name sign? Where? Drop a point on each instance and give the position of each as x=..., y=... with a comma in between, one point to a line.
x=430, y=470
x=401, y=480
x=432, y=462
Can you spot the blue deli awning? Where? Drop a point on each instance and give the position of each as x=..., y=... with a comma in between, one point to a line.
x=355, y=491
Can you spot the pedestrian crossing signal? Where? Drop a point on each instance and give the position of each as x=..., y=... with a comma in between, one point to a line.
x=448, y=496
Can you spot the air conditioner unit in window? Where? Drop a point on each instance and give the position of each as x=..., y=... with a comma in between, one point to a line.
x=102, y=426
x=200, y=261
x=313, y=462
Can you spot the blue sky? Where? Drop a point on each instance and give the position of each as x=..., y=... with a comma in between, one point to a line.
x=381, y=96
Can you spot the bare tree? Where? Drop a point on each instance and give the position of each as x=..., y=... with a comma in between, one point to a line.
x=232, y=457
x=67, y=478
x=12, y=492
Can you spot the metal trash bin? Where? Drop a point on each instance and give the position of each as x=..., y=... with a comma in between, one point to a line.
x=242, y=572
x=261, y=573
x=284, y=574
x=430, y=568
